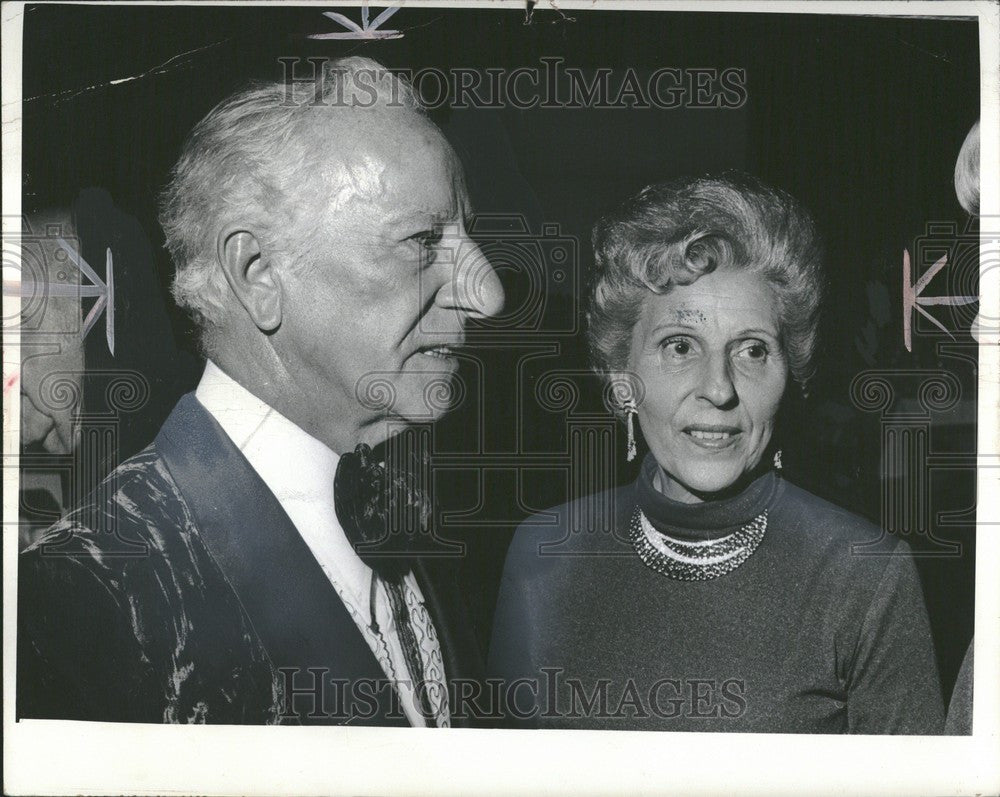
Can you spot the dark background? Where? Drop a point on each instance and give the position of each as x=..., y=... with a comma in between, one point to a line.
x=860, y=118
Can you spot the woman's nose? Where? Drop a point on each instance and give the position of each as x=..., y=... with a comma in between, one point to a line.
x=717, y=382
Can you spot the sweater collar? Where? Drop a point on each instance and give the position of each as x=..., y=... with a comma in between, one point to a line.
x=706, y=520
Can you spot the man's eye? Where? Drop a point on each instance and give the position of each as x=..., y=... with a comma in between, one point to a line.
x=427, y=238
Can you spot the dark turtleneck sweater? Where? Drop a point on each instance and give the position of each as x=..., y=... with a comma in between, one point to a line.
x=808, y=635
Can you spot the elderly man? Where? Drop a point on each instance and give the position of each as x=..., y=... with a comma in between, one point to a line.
x=320, y=241
x=51, y=326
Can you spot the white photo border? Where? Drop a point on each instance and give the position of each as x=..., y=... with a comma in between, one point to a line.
x=51, y=757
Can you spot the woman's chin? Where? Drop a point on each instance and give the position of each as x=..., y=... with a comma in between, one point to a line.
x=702, y=486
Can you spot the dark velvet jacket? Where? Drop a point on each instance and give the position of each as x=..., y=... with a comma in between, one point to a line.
x=180, y=591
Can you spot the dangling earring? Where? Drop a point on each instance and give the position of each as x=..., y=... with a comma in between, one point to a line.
x=777, y=459
x=630, y=411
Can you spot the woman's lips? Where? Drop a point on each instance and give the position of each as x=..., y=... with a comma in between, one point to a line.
x=713, y=437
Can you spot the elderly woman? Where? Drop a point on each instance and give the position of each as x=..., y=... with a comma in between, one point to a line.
x=719, y=596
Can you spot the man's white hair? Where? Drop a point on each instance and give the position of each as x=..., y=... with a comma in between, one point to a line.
x=242, y=161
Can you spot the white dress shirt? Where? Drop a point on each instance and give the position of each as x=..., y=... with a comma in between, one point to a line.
x=299, y=470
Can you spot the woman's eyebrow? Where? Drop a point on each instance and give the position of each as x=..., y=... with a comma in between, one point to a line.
x=757, y=331
x=672, y=325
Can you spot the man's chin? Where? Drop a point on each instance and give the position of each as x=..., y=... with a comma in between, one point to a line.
x=426, y=395
x=410, y=396
x=438, y=400
x=427, y=407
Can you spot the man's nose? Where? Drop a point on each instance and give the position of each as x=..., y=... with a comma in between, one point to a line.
x=717, y=382
x=474, y=287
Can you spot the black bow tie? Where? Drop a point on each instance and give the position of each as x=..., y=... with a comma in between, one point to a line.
x=383, y=512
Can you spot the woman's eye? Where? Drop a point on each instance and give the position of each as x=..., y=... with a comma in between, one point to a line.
x=678, y=347
x=753, y=350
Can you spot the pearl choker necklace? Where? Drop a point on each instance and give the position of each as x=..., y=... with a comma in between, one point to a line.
x=694, y=561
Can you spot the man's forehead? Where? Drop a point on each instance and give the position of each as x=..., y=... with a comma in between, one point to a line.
x=399, y=161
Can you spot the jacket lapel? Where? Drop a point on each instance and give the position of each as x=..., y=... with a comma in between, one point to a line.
x=298, y=616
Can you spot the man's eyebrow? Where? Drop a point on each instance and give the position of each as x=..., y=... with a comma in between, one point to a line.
x=414, y=217
x=422, y=217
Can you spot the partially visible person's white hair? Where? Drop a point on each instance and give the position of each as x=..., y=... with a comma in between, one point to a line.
x=242, y=161
x=967, y=172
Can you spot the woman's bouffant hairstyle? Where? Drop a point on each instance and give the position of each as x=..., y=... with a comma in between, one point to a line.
x=674, y=232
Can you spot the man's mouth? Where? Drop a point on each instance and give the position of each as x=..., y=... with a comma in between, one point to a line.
x=714, y=436
x=439, y=352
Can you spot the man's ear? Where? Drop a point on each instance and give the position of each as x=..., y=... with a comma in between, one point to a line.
x=251, y=275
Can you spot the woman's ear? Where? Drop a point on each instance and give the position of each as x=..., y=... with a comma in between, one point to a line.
x=251, y=275
x=625, y=390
